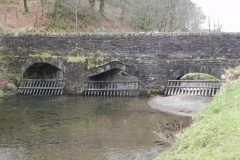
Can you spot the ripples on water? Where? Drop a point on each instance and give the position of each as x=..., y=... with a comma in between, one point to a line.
x=55, y=128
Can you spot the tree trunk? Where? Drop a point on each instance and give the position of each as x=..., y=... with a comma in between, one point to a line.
x=91, y=4
x=101, y=8
x=25, y=6
x=123, y=11
x=56, y=5
x=76, y=16
x=42, y=3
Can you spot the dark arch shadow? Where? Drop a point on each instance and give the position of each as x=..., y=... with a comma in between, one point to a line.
x=112, y=68
x=43, y=70
x=54, y=62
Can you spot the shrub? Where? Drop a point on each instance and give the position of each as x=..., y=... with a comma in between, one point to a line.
x=143, y=93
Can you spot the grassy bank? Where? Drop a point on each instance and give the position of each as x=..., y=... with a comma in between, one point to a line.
x=216, y=130
x=9, y=78
x=4, y=93
x=7, y=87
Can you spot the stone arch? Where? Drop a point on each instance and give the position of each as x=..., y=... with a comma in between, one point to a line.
x=54, y=65
x=179, y=72
x=54, y=62
x=115, y=65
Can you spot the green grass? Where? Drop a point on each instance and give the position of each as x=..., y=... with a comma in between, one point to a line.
x=1, y=93
x=90, y=61
x=202, y=76
x=43, y=54
x=76, y=59
x=9, y=9
x=15, y=1
x=215, y=134
x=60, y=26
x=6, y=93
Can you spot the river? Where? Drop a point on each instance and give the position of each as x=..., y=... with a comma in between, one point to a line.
x=77, y=127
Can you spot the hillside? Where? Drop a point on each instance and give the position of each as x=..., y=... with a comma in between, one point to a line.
x=40, y=19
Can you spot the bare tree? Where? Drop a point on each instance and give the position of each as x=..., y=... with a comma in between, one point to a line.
x=41, y=1
x=193, y=18
x=91, y=4
x=56, y=5
x=217, y=26
x=166, y=15
x=123, y=4
x=25, y=6
x=76, y=6
x=101, y=7
x=146, y=15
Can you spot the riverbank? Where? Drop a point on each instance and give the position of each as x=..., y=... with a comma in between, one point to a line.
x=216, y=130
x=8, y=77
x=184, y=105
x=7, y=88
x=6, y=93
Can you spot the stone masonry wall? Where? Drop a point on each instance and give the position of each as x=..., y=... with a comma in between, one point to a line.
x=169, y=46
x=158, y=57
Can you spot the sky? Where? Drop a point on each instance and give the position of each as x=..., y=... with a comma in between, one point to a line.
x=227, y=12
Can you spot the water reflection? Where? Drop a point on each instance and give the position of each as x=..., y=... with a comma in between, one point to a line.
x=12, y=153
x=136, y=154
x=79, y=128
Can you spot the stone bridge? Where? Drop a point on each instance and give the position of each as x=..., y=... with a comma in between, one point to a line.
x=152, y=58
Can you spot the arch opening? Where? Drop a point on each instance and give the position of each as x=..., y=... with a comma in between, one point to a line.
x=43, y=71
x=114, y=75
x=115, y=71
x=198, y=76
x=113, y=79
x=177, y=74
x=193, y=84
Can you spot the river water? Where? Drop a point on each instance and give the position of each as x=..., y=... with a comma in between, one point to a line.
x=75, y=128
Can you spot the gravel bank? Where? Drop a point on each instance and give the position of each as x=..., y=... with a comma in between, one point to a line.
x=184, y=105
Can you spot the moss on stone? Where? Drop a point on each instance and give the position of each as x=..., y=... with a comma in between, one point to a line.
x=9, y=77
x=200, y=76
x=43, y=55
x=77, y=59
